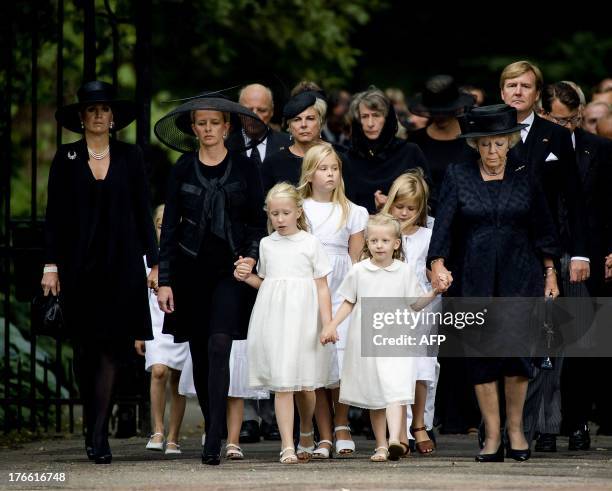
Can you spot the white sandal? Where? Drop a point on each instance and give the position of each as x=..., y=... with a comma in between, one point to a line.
x=381, y=454
x=159, y=446
x=233, y=452
x=322, y=453
x=344, y=447
x=175, y=449
x=288, y=458
x=305, y=453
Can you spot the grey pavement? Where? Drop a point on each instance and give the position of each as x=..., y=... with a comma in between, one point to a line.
x=452, y=467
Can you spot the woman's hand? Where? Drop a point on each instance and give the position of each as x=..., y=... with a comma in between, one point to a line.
x=165, y=299
x=379, y=199
x=441, y=278
x=551, y=287
x=329, y=334
x=608, y=270
x=244, y=267
x=50, y=283
x=152, y=279
x=139, y=345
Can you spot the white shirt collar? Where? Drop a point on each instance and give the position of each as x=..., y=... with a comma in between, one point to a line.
x=298, y=236
x=574, y=140
x=394, y=266
x=528, y=121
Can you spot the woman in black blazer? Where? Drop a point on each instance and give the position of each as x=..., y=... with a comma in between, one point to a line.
x=494, y=232
x=98, y=227
x=213, y=220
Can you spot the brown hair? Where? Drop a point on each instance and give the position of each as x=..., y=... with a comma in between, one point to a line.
x=517, y=69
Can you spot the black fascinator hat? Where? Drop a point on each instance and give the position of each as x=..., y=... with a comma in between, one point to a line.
x=96, y=92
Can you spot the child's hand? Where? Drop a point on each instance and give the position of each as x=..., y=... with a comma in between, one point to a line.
x=329, y=334
x=243, y=270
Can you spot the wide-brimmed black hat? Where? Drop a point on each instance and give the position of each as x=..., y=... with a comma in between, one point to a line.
x=95, y=92
x=440, y=97
x=174, y=129
x=498, y=119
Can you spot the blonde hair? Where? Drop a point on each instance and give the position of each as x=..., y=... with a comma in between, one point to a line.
x=517, y=69
x=313, y=157
x=320, y=108
x=383, y=220
x=287, y=191
x=412, y=186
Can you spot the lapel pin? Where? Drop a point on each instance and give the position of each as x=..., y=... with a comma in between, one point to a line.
x=72, y=155
x=519, y=168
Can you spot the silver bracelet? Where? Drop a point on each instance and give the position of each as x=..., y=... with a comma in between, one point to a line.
x=50, y=269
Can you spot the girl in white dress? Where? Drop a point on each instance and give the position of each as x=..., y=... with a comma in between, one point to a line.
x=384, y=385
x=407, y=202
x=283, y=347
x=164, y=359
x=338, y=224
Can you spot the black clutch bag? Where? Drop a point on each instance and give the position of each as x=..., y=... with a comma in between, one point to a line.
x=47, y=316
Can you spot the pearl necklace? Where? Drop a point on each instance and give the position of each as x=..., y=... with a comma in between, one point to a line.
x=96, y=155
x=489, y=173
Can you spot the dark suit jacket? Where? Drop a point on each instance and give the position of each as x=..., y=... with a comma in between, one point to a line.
x=560, y=180
x=493, y=243
x=276, y=140
x=131, y=232
x=594, y=157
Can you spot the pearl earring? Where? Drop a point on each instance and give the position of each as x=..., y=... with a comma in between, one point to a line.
x=82, y=125
x=111, y=125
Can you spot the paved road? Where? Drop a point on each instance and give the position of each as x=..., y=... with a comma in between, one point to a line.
x=451, y=468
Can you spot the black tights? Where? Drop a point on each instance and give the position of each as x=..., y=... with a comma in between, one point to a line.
x=96, y=372
x=210, y=356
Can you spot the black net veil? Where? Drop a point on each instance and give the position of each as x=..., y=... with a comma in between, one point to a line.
x=174, y=129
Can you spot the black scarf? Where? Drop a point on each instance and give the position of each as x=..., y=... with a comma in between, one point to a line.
x=214, y=211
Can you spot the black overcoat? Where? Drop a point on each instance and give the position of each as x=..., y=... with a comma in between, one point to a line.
x=131, y=236
x=493, y=251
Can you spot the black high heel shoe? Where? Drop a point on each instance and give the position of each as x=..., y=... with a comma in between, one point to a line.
x=90, y=452
x=491, y=457
x=518, y=455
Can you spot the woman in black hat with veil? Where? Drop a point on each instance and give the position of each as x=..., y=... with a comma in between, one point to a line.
x=98, y=227
x=213, y=219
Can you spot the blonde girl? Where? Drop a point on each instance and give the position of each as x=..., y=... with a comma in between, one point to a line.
x=384, y=385
x=293, y=301
x=339, y=224
x=408, y=203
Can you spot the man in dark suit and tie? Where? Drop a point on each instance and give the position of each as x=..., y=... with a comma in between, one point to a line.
x=258, y=99
x=562, y=104
x=547, y=149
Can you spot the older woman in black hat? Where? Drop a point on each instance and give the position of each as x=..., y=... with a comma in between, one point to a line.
x=304, y=116
x=376, y=156
x=213, y=219
x=494, y=231
x=441, y=102
x=98, y=227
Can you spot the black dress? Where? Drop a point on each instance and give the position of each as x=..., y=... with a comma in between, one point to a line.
x=493, y=236
x=283, y=166
x=439, y=154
